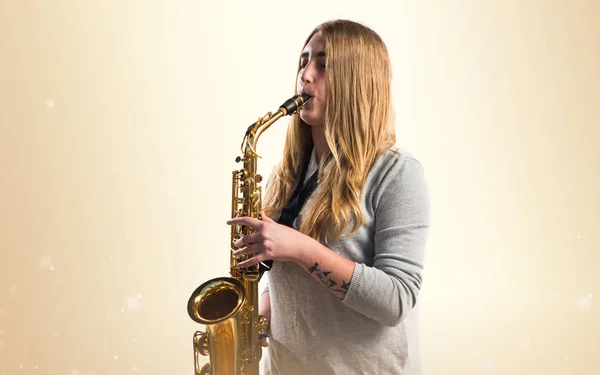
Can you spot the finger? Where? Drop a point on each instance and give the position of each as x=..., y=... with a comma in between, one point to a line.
x=251, y=262
x=249, y=249
x=245, y=220
x=265, y=218
x=247, y=239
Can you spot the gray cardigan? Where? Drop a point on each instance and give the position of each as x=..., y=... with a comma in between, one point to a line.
x=374, y=329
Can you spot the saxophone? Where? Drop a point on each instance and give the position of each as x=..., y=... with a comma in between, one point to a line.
x=228, y=306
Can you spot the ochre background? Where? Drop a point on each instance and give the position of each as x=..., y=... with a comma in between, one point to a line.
x=120, y=122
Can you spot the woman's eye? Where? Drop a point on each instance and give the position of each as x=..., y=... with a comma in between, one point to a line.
x=304, y=63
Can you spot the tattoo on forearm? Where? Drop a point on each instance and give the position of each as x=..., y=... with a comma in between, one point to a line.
x=328, y=281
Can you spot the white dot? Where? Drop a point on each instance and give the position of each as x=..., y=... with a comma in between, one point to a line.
x=21, y=367
x=57, y=282
x=134, y=369
x=585, y=304
x=36, y=366
x=123, y=310
x=590, y=295
x=566, y=358
x=52, y=268
x=139, y=295
x=525, y=344
x=127, y=237
x=50, y=103
x=110, y=257
x=116, y=357
x=578, y=237
x=133, y=303
x=55, y=333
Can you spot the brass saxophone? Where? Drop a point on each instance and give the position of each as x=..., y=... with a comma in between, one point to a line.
x=228, y=306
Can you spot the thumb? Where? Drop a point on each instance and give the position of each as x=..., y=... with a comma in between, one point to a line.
x=265, y=218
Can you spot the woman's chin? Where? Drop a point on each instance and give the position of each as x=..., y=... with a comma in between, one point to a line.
x=308, y=118
x=308, y=121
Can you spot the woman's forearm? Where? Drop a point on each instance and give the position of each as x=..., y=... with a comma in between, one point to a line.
x=327, y=266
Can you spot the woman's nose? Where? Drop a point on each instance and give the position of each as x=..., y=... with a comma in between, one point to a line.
x=308, y=74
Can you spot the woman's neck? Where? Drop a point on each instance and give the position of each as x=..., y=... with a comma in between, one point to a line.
x=319, y=141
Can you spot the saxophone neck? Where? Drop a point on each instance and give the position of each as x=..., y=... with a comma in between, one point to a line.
x=289, y=107
x=255, y=131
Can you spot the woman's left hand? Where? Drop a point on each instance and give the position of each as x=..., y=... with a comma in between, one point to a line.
x=270, y=241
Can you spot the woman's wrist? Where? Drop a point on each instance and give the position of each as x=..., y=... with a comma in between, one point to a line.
x=310, y=252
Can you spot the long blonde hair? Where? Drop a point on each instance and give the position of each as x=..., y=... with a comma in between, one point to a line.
x=358, y=128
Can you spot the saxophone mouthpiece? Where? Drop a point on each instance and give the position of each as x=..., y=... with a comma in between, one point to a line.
x=294, y=104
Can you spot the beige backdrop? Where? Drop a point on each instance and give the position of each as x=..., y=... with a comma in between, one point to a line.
x=120, y=122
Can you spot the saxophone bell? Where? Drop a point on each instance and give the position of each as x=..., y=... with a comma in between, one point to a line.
x=216, y=304
x=216, y=300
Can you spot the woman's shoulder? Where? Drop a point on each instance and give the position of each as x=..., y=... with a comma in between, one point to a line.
x=396, y=176
x=393, y=162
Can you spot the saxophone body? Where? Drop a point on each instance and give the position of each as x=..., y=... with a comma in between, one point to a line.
x=228, y=306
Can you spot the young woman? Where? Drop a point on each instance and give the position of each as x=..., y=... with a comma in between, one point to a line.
x=347, y=262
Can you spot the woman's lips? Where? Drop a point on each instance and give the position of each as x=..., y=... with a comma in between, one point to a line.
x=309, y=101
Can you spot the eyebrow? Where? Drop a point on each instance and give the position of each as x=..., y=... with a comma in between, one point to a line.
x=318, y=54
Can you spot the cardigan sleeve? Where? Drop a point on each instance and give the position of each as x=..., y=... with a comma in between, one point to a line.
x=387, y=290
